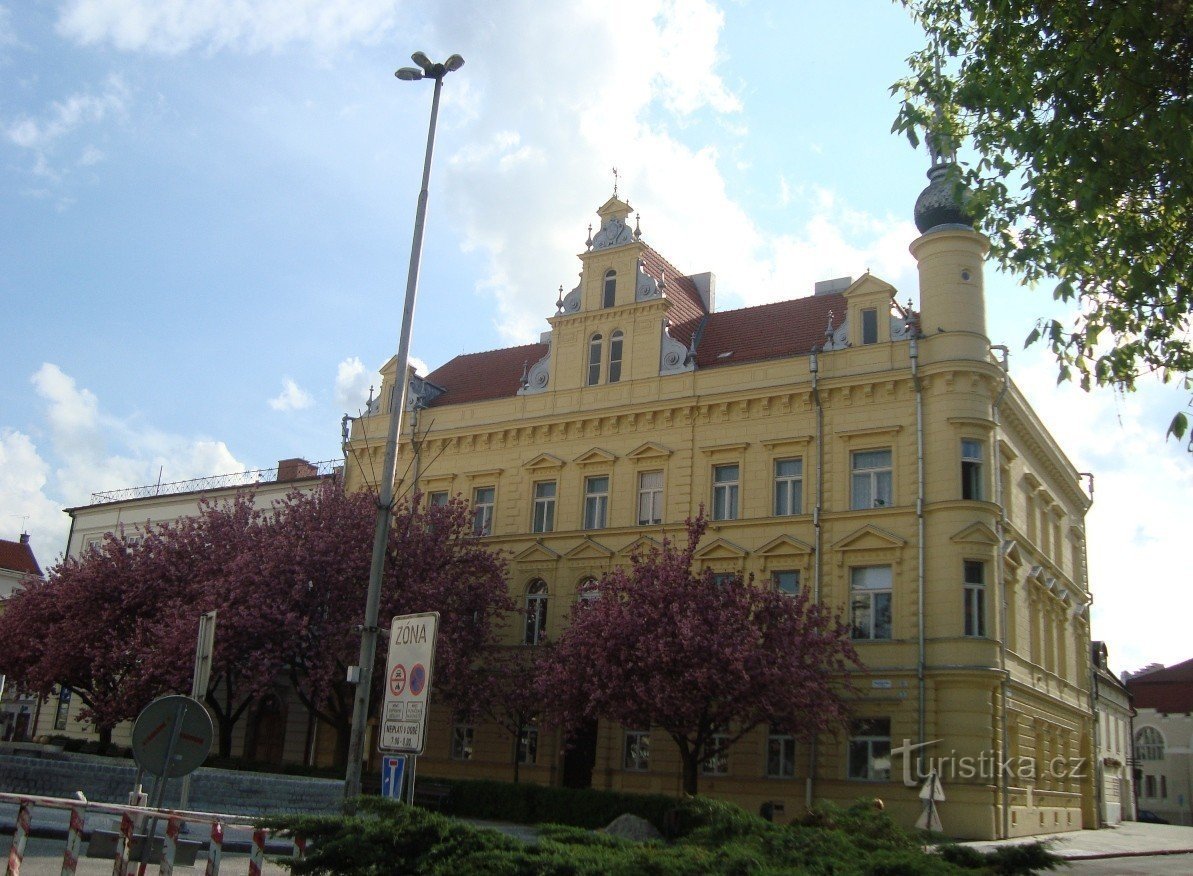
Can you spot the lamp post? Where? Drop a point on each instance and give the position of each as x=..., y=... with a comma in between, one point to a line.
x=426, y=69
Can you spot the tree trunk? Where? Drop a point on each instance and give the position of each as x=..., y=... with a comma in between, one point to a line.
x=690, y=771
x=517, y=753
x=105, y=738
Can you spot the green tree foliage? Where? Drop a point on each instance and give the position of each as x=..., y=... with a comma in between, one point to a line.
x=1080, y=116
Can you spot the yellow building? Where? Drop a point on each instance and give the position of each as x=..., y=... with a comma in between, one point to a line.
x=875, y=454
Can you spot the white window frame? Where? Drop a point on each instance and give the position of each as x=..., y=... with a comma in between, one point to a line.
x=609, y=289
x=650, y=498
x=726, y=494
x=592, y=373
x=867, y=739
x=482, y=511
x=537, y=594
x=779, y=577
x=463, y=735
x=596, y=502
x=528, y=745
x=635, y=750
x=871, y=486
x=975, y=598
x=717, y=762
x=616, y=350
x=542, y=517
x=789, y=488
x=872, y=599
x=973, y=455
x=438, y=498
x=1149, y=744
x=780, y=750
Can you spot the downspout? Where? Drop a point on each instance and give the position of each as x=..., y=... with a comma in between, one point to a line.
x=1004, y=793
x=814, y=369
x=1099, y=771
x=914, y=353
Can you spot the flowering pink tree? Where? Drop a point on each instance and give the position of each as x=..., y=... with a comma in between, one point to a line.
x=508, y=691
x=666, y=647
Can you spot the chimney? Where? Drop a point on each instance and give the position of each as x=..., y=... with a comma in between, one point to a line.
x=295, y=469
x=24, y=538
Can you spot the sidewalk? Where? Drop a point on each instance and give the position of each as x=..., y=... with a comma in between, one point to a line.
x=1126, y=840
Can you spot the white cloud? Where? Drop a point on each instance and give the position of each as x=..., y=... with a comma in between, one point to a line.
x=352, y=384
x=64, y=117
x=173, y=26
x=291, y=398
x=24, y=475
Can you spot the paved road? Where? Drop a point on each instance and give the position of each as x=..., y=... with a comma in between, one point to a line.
x=43, y=857
x=1152, y=865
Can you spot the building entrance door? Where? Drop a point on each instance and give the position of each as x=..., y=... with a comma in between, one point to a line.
x=578, y=760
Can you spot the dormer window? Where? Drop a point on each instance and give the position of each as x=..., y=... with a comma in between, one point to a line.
x=610, y=292
x=615, y=356
x=869, y=326
x=594, y=361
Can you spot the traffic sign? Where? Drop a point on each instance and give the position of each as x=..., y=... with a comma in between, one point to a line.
x=172, y=736
x=393, y=770
x=408, y=672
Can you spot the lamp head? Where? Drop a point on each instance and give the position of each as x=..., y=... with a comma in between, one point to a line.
x=423, y=61
x=408, y=74
x=454, y=63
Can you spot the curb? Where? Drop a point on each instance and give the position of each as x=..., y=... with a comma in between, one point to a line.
x=1100, y=856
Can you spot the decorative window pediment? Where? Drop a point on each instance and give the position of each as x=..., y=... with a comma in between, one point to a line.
x=975, y=533
x=785, y=545
x=649, y=450
x=794, y=443
x=594, y=456
x=1011, y=554
x=543, y=462
x=642, y=545
x=874, y=433
x=725, y=449
x=488, y=474
x=870, y=544
x=537, y=553
x=721, y=549
x=589, y=549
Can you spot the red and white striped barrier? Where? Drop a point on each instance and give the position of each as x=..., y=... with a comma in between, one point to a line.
x=170, y=847
x=20, y=836
x=122, y=866
x=300, y=847
x=257, y=853
x=74, y=843
x=215, y=850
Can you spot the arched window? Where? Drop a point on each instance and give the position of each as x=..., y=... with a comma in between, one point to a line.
x=615, y=340
x=594, y=361
x=1149, y=744
x=536, y=611
x=610, y=291
x=588, y=591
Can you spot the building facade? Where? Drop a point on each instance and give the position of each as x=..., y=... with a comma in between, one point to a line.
x=278, y=729
x=1163, y=740
x=18, y=710
x=1112, y=701
x=876, y=454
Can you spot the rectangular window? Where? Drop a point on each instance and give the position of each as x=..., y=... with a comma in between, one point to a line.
x=482, y=510
x=972, y=453
x=650, y=498
x=1008, y=495
x=789, y=487
x=461, y=741
x=869, y=326
x=871, y=487
x=544, y=507
x=637, y=750
x=1149, y=786
x=723, y=578
x=596, y=502
x=63, y=709
x=786, y=581
x=717, y=763
x=437, y=499
x=725, y=483
x=528, y=746
x=870, y=602
x=975, y=598
x=780, y=756
x=870, y=749
x=536, y=613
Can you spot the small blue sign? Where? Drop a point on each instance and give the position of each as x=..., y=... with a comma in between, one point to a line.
x=393, y=770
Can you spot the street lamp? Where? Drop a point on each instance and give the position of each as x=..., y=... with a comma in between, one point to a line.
x=427, y=69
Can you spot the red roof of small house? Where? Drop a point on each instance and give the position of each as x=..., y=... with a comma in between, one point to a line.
x=17, y=556
x=768, y=331
x=1167, y=690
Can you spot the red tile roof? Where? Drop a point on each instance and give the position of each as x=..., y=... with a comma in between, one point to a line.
x=481, y=376
x=686, y=303
x=1165, y=690
x=768, y=331
x=17, y=556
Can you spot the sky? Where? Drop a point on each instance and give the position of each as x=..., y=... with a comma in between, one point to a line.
x=207, y=208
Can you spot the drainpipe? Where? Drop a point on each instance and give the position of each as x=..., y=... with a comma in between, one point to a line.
x=1004, y=795
x=914, y=353
x=1099, y=771
x=814, y=368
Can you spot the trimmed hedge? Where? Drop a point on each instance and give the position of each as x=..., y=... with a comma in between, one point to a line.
x=538, y=804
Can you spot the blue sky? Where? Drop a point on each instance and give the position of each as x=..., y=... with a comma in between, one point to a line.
x=207, y=209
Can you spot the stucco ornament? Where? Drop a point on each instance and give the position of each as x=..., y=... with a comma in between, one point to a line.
x=538, y=376
x=614, y=232
x=646, y=287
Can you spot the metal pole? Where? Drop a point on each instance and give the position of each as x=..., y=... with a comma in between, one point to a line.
x=368, y=635
x=204, y=649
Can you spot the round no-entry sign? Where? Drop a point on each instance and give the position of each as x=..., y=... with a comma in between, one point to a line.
x=172, y=719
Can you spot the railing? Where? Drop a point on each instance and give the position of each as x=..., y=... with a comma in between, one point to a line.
x=130, y=817
x=215, y=482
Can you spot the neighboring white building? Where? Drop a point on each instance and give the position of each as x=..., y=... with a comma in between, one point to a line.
x=1163, y=700
x=1112, y=701
x=18, y=712
x=278, y=729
